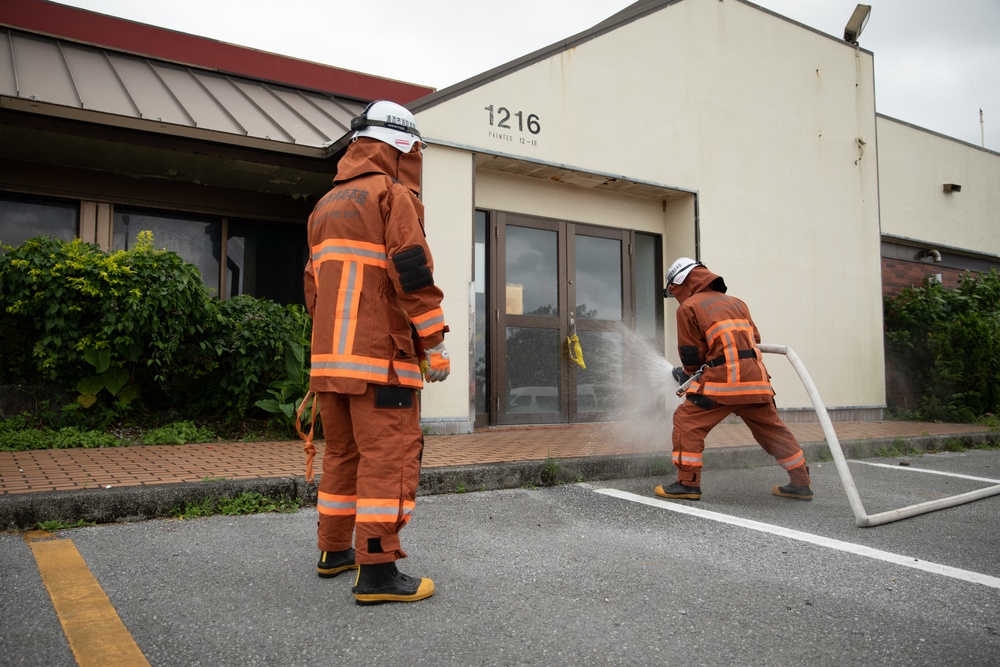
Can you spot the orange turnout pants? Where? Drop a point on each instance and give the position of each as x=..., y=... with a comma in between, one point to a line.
x=692, y=424
x=371, y=467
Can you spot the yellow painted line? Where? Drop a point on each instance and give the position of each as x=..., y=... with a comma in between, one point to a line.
x=96, y=635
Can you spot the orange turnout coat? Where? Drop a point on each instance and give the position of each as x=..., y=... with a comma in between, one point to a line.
x=715, y=328
x=370, y=274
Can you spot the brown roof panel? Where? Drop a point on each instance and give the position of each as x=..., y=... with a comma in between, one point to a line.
x=50, y=76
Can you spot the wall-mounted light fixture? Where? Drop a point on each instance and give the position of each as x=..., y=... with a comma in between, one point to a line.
x=932, y=253
x=856, y=23
x=952, y=187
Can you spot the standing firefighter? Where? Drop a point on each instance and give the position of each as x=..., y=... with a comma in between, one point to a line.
x=717, y=341
x=377, y=328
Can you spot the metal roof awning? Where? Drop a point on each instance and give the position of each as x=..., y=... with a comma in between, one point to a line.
x=59, y=78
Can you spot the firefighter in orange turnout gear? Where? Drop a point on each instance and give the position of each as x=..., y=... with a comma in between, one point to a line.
x=715, y=334
x=369, y=286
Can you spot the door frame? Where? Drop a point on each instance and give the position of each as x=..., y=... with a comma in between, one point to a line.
x=500, y=320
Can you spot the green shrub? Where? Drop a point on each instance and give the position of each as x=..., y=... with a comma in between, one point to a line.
x=256, y=341
x=97, y=320
x=139, y=326
x=951, y=338
x=288, y=393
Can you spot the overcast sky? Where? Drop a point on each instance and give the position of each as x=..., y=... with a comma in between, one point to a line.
x=937, y=62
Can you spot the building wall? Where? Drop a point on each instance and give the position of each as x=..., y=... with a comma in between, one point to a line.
x=899, y=274
x=772, y=124
x=914, y=165
x=929, y=232
x=449, y=211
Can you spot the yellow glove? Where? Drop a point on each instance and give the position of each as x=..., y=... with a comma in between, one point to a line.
x=575, y=351
x=436, y=365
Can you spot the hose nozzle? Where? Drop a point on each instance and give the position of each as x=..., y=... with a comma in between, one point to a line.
x=691, y=380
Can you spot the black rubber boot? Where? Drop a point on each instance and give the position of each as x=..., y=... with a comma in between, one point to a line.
x=382, y=582
x=332, y=563
x=791, y=491
x=678, y=490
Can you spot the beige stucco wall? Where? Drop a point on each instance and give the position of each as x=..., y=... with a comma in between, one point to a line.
x=758, y=116
x=447, y=193
x=914, y=165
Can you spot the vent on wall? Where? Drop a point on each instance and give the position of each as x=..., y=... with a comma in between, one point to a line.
x=952, y=187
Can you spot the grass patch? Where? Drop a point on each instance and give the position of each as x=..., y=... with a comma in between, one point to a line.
x=897, y=449
x=660, y=466
x=824, y=455
x=24, y=432
x=54, y=525
x=550, y=472
x=19, y=434
x=954, y=445
x=991, y=445
x=903, y=415
x=178, y=433
x=249, y=502
x=991, y=422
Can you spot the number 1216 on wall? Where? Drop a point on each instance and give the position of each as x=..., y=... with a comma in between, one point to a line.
x=503, y=116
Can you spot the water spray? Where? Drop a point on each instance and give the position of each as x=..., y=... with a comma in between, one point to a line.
x=643, y=415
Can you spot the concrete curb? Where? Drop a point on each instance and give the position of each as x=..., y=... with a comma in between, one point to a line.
x=136, y=503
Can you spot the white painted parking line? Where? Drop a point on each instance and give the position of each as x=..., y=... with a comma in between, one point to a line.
x=932, y=472
x=847, y=547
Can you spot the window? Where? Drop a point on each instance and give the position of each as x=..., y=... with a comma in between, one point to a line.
x=649, y=289
x=266, y=260
x=22, y=218
x=197, y=240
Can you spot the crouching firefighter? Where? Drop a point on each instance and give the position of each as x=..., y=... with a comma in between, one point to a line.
x=717, y=341
x=369, y=286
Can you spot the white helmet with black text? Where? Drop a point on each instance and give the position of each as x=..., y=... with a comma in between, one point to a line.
x=388, y=122
x=678, y=272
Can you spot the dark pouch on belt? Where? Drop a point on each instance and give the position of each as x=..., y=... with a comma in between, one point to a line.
x=393, y=397
x=702, y=401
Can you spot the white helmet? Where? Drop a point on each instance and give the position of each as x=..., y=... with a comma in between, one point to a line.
x=388, y=122
x=679, y=270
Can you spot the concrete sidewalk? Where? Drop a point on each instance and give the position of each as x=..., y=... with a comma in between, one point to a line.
x=128, y=483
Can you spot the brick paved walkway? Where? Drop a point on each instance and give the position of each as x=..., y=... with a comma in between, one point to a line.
x=53, y=470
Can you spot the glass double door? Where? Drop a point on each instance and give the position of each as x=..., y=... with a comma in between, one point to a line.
x=563, y=296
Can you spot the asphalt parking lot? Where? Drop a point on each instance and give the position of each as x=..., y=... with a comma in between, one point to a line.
x=598, y=573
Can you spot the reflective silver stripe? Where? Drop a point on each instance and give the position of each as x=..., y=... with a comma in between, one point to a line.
x=335, y=505
x=715, y=388
x=429, y=323
x=345, y=312
x=348, y=366
x=409, y=375
x=730, y=346
x=350, y=250
x=797, y=461
x=386, y=511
